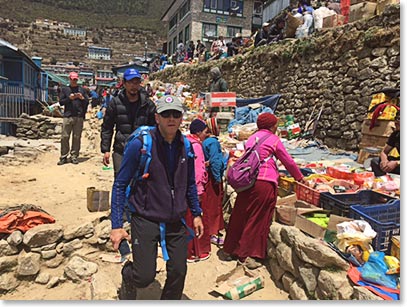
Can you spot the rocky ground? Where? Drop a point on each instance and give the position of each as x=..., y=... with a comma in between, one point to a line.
x=33, y=177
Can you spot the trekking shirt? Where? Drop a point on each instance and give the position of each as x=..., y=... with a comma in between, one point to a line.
x=169, y=189
x=126, y=116
x=213, y=154
x=274, y=148
x=76, y=107
x=201, y=176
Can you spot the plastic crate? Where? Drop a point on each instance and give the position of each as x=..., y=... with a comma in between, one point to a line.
x=340, y=203
x=287, y=183
x=308, y=194
x=384, y=219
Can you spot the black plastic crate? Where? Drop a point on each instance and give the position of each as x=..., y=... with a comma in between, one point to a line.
x=340, y=203
x=384, y=219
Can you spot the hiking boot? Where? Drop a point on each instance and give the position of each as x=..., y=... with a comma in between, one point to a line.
x=74, y=160
x=250, y=263
x=62, y=161
x=128, y=290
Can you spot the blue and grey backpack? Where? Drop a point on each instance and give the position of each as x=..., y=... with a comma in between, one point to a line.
x=144, y=134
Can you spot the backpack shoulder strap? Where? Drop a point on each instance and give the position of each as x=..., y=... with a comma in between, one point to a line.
x=187, y=144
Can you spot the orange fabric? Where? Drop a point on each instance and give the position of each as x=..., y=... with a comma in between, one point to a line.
x=17, y=220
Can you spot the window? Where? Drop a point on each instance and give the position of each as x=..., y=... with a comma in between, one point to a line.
x=174, y=44
x=231, y=31
x=180, y=37
x=169, y=50
x=173, y=22
x=209, y=32
x=184, y=10
x=225, y=7
x=186, y=31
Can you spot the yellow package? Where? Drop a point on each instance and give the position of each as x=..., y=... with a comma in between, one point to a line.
x=389, y=112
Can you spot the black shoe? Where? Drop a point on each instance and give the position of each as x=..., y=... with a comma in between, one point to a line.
x=62, y=161
x=128, y=291
x=74, y=160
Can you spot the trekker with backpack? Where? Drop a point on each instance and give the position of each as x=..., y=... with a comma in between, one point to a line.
x=130, y=109
x=199, y=249
x=247, y=232
x=158, y=204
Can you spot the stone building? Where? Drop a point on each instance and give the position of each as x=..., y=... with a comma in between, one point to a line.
x=206, y=20
x=100, y=53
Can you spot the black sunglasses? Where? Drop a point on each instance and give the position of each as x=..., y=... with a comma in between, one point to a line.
x=173, y=113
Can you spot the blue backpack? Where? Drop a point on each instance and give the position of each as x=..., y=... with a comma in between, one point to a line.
x=144, y=132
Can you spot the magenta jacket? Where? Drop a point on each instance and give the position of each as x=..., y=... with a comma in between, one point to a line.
x=201, y=176
x=273, y=147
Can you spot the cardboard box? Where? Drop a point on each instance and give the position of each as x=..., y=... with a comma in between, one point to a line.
x=287, y=200
x=373, y=141
x=381, y=127
x=97, y=200
x=220, y=99
x=333, y=21
x=314, y=230
x=395, y=247
x=381, y=4
x=366, y=154
x=286, y=214
x=238, y=283
x=362, y=10
x=352, y=2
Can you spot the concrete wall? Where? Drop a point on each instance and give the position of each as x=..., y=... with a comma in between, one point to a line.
x=337, y=69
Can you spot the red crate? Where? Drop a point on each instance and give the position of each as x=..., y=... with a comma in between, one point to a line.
x=308, y=194
x=339, y=173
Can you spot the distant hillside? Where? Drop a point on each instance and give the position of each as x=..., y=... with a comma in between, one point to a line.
x=141, y=14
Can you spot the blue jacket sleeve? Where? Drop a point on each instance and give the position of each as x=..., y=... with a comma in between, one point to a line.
x=192, y=192
x=128, y=168
x=215, y=156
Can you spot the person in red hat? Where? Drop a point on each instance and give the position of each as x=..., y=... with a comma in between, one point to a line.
x=75, y=100
x=247, y=232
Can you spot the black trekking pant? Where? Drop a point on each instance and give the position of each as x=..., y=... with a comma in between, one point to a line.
x=145, y=236
x=375, y=164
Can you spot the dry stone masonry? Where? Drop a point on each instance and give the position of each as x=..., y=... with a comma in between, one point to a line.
x=336, y=69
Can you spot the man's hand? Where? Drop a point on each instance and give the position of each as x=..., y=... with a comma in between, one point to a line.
x=117, y=235
x=390, y=165
x=383, y=164
x=106, y=159
x=198, y=227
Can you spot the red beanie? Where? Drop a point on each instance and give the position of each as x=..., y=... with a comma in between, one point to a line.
x=266, y=120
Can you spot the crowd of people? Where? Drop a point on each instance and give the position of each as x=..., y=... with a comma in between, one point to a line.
x=179, y=204
x=270, y=32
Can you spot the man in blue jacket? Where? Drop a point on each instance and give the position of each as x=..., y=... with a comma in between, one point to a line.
x=158, y=205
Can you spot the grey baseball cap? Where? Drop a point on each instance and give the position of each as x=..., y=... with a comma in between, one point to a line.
x=169, y=102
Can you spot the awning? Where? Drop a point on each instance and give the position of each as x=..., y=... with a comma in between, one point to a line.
x=58, y=79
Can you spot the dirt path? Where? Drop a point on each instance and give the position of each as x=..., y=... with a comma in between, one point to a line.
x=61, y=191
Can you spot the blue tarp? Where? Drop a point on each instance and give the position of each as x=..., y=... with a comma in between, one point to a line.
x=270, y=101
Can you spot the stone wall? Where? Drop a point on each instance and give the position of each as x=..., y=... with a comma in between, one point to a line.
x=304, y=267
x=336, y=69
x=308, y=269
x=38, y=127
